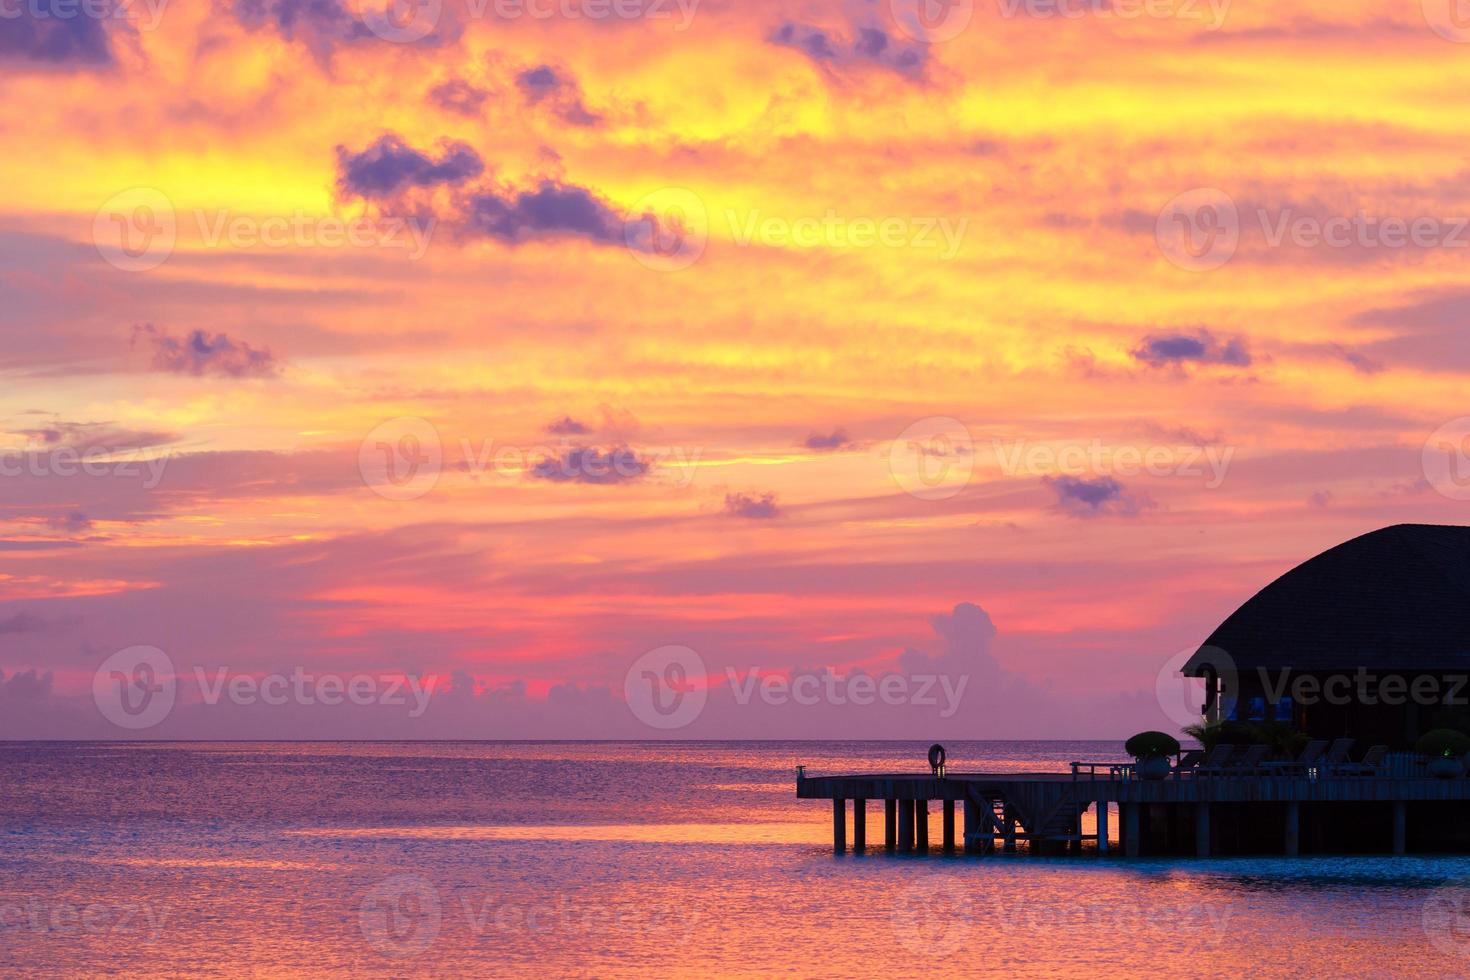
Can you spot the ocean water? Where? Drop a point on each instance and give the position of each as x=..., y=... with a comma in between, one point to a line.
x=630, y=859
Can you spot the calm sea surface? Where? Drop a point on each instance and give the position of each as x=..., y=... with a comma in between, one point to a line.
x=624, y=859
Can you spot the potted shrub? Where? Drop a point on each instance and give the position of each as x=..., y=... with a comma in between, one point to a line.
x=1152, y=751
x=1445, y=747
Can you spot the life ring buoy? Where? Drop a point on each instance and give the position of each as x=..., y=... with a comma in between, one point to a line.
x=936, y=756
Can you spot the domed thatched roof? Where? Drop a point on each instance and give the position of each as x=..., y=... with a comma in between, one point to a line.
x=1395, y=599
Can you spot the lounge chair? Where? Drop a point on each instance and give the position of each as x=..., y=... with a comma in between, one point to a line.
x=1309, y=756
x=1337, y=755
x=1216, y=761
x=1189, y=761
x=1250, y=761
x=1370, y=765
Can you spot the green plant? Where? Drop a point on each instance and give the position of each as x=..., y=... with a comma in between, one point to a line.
x=1284, y=741
x=1148, y=745
x=1443, y=742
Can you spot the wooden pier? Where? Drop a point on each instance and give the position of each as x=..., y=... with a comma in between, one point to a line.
x=1246, y=813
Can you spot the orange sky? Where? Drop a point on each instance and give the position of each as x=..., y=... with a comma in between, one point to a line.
x=774, y=331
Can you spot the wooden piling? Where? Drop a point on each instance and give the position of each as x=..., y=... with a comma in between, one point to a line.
x=1400, y=826
x=949, y=826
x=905, y=826
x=839, y=826
x=921, y=826
x=1202, y=829
x=1008, y=829
x=972, y=827
x=1293, y=829
x=1102, y=826
x=890, y=831
x=1131, y=816
x=859, y=826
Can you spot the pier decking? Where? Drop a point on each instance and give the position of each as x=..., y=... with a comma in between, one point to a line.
x=1201, y=815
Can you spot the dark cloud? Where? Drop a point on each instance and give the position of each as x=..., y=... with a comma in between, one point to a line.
x=25, y=685
x=551, y=209
x=1083, y=497
x=1320, y=498
x=588, y=464
x=1200, y=347
x=22, y=622
x=71, y=522
x=324, y=25
x=458, y=96
x=544, y=85
x=752, y=506
x=836, y=439
x=568, y=426
x=390, y=165
x=863, y=46
x=1361, y=362
x=201, y=354
x=29, y=34
x=81, y=437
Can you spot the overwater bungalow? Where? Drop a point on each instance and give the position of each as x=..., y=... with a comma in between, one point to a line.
x=1368, y=640
x=1333, y=720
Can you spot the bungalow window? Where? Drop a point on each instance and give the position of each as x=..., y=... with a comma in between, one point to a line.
x=1282, y=711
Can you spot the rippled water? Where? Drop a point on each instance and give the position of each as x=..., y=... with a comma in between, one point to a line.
x=622, y=859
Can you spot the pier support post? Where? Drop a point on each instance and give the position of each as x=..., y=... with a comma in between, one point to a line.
x=972, y=827
x=1102, y=826
x=1400, y=826
x=1202, y=829
x=905, y=826
x=1130, y=829
x=921, y=826
x=1008, y=829
x=839, y=826
x=949, y=826
x=890, y=824
x=1293, y=829
x=859, y=826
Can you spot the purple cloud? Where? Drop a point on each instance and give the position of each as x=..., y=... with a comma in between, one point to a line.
x=752, y=506
x=568, y=426
x=551, y=209
x=459, y=97
x=545, y=85
x=588, y=464
x=201, y=354
x=1083, y=497
x=836, y=439
x=390, y=165
x=1201, y=347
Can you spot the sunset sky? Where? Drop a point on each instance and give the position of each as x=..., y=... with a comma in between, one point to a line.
x=503, y=344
